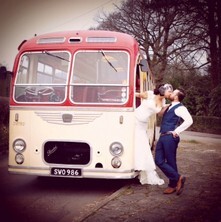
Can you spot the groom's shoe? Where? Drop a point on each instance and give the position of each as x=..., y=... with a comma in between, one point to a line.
x=169, y=190
x=180, y=185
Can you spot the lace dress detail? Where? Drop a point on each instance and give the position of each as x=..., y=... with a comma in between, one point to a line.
x=144, y=161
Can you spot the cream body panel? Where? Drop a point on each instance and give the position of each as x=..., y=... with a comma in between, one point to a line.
x=99, y=131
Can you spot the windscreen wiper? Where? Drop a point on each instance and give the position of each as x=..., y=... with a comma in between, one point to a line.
x=108, y=60
x=56, y=56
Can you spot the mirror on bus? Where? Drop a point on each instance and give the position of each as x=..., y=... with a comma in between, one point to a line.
x=144, y=65
x=4, y=72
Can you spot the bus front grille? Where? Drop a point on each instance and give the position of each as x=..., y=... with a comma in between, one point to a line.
x=59, y=152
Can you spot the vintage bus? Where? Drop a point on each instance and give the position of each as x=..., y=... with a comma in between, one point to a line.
x=72, y=105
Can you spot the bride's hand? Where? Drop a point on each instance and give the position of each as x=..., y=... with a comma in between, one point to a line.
x=162, y=111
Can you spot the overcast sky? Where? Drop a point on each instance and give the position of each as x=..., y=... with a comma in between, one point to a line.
x=21, y=19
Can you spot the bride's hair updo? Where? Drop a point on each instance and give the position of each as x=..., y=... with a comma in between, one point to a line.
x=160, y=90
x=156, y=90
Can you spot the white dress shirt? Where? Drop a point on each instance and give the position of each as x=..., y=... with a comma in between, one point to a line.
x=183, y=113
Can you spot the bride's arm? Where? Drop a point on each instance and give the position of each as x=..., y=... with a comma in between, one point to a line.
x=142, y=95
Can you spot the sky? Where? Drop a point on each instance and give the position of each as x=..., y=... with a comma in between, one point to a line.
x=22, y=19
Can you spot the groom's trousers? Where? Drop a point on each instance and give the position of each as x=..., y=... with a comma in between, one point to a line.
x=165, y=157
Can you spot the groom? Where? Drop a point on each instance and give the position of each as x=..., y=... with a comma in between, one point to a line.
x=166, y=147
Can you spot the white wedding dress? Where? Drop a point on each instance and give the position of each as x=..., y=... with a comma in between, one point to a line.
x=144, y=161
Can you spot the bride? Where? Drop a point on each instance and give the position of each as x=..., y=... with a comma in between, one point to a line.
x=153, y=102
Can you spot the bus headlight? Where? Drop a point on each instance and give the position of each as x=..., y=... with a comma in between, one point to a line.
x=116, y=162
x=19, y=145
x=19, y=158
x=116, y=149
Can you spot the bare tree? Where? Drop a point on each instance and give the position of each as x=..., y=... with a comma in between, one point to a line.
x=169, y=30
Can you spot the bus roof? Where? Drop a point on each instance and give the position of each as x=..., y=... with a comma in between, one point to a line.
x=87, y=38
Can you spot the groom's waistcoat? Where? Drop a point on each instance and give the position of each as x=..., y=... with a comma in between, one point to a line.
x=170, y=120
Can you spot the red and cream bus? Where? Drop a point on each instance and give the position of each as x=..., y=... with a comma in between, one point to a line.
x=72, y=105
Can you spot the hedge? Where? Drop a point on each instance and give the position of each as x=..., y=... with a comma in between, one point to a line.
x=207, y=124
x=4, y=119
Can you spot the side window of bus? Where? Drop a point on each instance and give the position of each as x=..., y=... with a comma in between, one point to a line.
x=138, y=100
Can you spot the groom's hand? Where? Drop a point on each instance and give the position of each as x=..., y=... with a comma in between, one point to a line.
x=175, y=134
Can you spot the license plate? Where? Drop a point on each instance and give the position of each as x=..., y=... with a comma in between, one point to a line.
x=65, y=172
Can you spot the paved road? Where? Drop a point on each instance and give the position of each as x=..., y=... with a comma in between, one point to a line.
x=199, y=159
x=32, y=199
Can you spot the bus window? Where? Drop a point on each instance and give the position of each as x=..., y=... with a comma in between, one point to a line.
x=138, y=100
x=42, y=77
x=141, y=81
x=100, y=77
